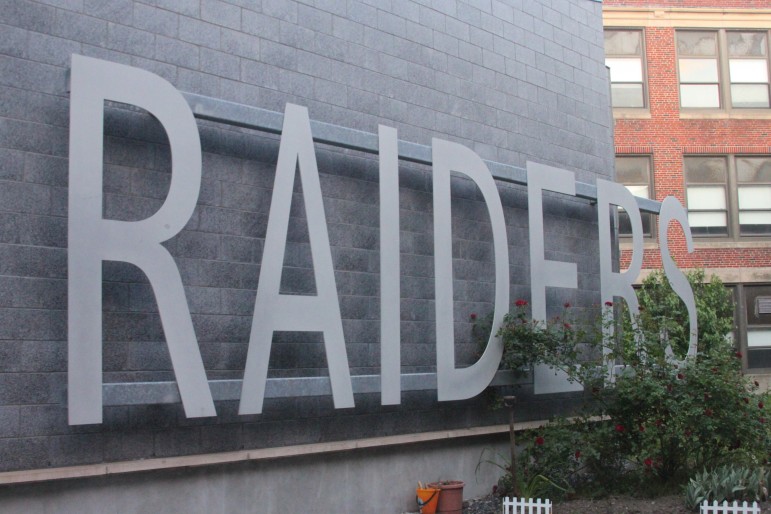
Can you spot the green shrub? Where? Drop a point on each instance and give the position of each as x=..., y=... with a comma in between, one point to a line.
x=726, y=483
x=664, y=417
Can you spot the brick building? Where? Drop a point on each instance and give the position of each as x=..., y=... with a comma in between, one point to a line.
x=690, y=94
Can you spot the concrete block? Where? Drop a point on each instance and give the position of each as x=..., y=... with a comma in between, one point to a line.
x=129, y=40
x=163, y=21
x=363, y=13
x=448, y=7
x=79, y=27
x=19, y=452
x=314, y=19
x=177, y=52
x=392, y=24
x=13, y=41
x=240, y=44
x=260, y=25
x=186, y=7
x=123, y=446
x=198, y=32
x=112, y=10
x=285, y=10
x=31, y=76
x=25, y=14
x=221, y=13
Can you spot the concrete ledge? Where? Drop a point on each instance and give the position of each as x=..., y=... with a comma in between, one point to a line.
x=210, y=459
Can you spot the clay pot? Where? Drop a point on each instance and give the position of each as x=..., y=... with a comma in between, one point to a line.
x=451, y=497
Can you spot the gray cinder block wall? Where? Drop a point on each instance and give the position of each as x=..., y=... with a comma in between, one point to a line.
x=513, y=80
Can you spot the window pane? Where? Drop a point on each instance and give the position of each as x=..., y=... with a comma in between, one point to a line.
x=696, y=43
x=641, y=191
x=749, y=95
x=755, y=223
x=709, y=170
x=623, y=42
x=755, y=298
x=626, y=70
x=759, y=358
x=627, y=95
x=706, y=198
x=748, y=70
x=698, y=70
x=699, y=96
x=756, y=197
x=757, y=338
x=625, y=225
x=747, y=43
x=707, y=219
x=753, y=169
x=632, y=170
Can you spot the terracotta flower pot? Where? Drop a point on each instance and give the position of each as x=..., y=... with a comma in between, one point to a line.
x=451, y=497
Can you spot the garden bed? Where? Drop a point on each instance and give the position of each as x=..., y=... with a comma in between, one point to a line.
x=611, y=505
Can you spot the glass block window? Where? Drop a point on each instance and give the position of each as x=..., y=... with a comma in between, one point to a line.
x=624, y=57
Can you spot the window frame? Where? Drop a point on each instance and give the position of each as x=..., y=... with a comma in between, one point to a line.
x=651, y=195
x=726, y=192
x=732, y=186
x=724, y=82
x=643, y=65
x=742, y=327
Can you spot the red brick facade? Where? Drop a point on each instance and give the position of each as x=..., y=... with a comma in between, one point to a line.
x=667, y=137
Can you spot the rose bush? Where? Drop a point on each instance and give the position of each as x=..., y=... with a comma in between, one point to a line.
x=663, y=417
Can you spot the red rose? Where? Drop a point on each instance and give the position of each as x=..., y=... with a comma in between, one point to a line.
x=760, y=405
x=649, y=462
x=680, y=376
x=620, y=428
x=567, y=305
x=473, y=315
x=757, y=384
x=738, y=355
x=578, y=454
x=567, y=326
x=708, y=412
x=539, y=440
x=762, y=420
x=746, y=400
x=520, y=303
x=642, y=428
x=608, y=304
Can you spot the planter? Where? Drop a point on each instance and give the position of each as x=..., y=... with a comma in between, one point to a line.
x=450, y=497
x=427, y=499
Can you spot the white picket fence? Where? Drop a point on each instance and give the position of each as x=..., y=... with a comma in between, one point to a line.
x=725, y=508
x=526, y=506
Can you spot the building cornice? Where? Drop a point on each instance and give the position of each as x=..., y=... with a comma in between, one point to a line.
x=685, y=17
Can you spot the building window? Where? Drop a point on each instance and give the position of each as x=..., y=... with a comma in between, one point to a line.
x=728, y=195
x=635, y=173
x=697, y=65
x=706, y=195
x=758, y=316
x=723, y=67
x=624, y=57
x=748, y=68
x=754, y=193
